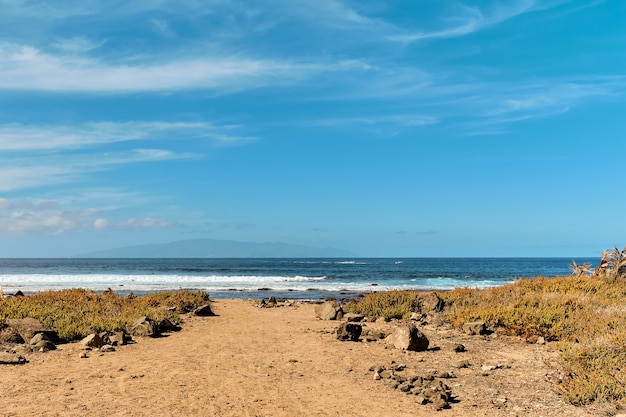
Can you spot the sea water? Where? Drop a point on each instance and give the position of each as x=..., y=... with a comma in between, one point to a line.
x=283, y=278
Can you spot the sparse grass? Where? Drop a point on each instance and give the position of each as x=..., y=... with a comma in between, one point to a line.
x=584, y=316
x=75, y=313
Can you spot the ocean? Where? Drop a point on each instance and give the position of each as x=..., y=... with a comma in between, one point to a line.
x=311, y=279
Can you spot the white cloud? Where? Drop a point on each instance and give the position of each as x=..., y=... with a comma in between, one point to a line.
x=470, y=20
x=77, y=45
x=406, y=120
x=28, y=172
x=19, y=137
x=28, y=68
x=23, y=217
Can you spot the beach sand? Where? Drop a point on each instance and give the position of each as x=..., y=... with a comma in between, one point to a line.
x=250, y=361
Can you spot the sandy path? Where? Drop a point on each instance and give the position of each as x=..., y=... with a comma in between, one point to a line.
x=272, y=362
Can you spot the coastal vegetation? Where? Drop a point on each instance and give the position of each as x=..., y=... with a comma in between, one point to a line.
x=75, y=313
x=583, y=316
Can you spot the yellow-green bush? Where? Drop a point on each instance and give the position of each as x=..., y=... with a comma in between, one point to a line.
x=76, y=313
x=388, y=304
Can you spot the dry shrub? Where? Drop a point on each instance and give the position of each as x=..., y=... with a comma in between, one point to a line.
x=388, y=304
x=75, y=313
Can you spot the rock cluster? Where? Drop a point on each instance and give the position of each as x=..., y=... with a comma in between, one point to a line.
x=428, y=389
x=35, y=336
x=271, y=302
x=29, y=331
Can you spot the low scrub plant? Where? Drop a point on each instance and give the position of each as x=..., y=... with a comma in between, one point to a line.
x=75, y=313
x=387, y=304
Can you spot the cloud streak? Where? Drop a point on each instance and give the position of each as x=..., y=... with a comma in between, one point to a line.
x=18, y=137
x=47, y=217
x=472, y=19
x=28, y=68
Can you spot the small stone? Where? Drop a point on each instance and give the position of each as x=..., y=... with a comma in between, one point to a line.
x=408, y=337
x=387, y=373
x=353, y=317
x=475, y=328
x=204, y=311
x=404, y=387
x=461, y=364
x=93, y=340
x=439, y=404
x=457, y=347
x=329, y=311
x=377, y=376
x=83, y=355
x=499, y=402
x=349, y=332
x=420, y=399
x=45, y=345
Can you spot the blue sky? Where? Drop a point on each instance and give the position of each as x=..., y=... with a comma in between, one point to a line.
x=390, y=128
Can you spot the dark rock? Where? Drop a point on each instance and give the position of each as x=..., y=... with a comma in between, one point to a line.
x=328, y=311
x=29, y=327
x=408, y=337
x=404, y=387
x=9, y=335
x=119, y=338
x=144, y=327
x=457, y=347
x=204, y=311
x=349, y=332
x=38, y=338
x=374, y=335
x=45, y=345
x=271, y=302
x=440, y=404
x=166, y=325
x=18, y=293
x=387, y=374
x=462, y=364
x=93, y=340
x=430, y=301
x=353, y=317
x=475, y=328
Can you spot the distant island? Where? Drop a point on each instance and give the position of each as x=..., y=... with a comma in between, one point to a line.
x=213, y=248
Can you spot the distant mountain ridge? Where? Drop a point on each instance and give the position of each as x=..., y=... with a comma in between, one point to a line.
x=213, y=248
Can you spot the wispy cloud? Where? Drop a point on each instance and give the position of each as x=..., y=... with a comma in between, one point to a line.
x=502, y=104
x=28, y=68
x=77, y=45
x=404, y=120
x=48, y=217
x=45, y=170
x=19, y=137
x=469, y=20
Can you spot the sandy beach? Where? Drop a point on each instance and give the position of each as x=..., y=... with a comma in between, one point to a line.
x=250, y=361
